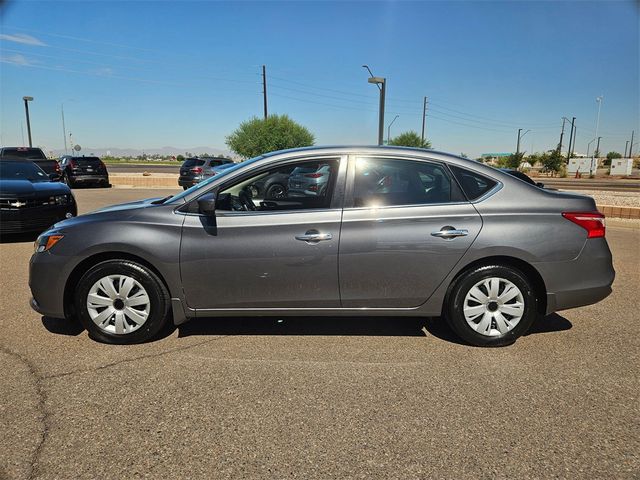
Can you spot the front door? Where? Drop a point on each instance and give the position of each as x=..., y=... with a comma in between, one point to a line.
x=262, y=252
x=405, y=226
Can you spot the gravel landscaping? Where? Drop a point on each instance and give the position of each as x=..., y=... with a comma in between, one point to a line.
x=618, y=199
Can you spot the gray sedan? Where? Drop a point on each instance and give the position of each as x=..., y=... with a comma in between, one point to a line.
x=392, y=231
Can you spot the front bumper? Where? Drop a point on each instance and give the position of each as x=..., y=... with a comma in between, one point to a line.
x=583, y=281
x=48, y=275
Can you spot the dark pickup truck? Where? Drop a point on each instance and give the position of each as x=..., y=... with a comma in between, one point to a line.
x=36, y=155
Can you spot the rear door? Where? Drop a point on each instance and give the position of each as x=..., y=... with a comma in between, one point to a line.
x=261, y=253
x=405, y=226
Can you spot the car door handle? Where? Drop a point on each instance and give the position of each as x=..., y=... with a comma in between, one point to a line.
x=449, y=233
x=313, y=236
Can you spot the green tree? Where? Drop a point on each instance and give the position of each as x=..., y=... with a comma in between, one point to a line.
x=514, y=160
x=409, y=139
x=258, y=136
x=180, y=158
x=611, y=156
x=552, y=162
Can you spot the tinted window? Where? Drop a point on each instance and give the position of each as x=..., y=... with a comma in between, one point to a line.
x=193, y=162
x=305, y=185
x=24, y=152
x=385, y=182
x=473, y=184
x=22, y=171
x=214, y=162
x=93, y=161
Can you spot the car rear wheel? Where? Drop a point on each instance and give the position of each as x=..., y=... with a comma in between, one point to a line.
x=122, y=302
x=491, y=306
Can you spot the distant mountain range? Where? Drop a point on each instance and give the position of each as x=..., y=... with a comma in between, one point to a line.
x=134, y=152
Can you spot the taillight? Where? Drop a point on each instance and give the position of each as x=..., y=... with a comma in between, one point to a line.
x=314, y=175
x=196, y=169
x=592, y=222
x=57, y=169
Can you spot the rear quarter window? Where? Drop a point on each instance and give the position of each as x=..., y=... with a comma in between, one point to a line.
x=474, y=185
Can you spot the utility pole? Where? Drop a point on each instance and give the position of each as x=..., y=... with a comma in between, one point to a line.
x=599, y=100
x=631, y=144
x=64, y=130
x=626, y=144
x=424, y=117
x=518, y=144
x=26, y=110
x=597, y=152
x=561, y=135
x=389, y=128
x=264, y=89
x=573, y=122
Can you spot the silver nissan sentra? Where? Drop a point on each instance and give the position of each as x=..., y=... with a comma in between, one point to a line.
x=396, y=231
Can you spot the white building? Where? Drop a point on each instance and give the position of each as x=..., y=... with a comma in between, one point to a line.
x=621, y=166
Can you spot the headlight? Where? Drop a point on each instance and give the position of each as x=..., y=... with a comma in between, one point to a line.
x=45, y=241
x=61, y=200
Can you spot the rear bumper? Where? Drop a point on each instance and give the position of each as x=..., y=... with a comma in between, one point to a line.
x=90, y=178
x=583, y=281
x=188, y=182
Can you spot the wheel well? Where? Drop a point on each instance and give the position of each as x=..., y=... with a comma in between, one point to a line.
x=526, y=268
x=87, y=263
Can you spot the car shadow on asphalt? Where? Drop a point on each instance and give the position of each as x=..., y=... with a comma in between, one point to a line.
x=18, y=237
x=327, y=326
x=359, y=326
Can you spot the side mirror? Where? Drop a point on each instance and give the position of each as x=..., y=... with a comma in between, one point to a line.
x=54, y=177
x=207, y=204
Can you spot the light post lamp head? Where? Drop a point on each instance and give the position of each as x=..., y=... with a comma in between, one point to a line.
x=27, y=99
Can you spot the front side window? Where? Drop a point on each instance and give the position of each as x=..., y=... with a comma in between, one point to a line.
x=292, y=186
x=387, y=182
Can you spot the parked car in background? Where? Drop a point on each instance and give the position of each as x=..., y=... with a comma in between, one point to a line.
x=308, y=181
x=194, y=169
x=271, y=185
x=29, y=200
x=83, y=170
x=522, y=176
x=35, y=155
x=388, y=231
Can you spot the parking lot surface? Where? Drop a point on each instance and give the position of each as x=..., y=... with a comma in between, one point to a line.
x=320, y=398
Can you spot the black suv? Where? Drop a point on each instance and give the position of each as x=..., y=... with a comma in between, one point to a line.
x=194, y=170
x=77, y=170
x=36, y=155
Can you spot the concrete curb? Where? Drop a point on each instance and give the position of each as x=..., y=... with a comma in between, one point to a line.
x=619, y=212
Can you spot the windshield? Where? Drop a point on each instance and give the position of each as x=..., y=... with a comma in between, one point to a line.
x=20, y=152
x=204, y=184
x=22, y=171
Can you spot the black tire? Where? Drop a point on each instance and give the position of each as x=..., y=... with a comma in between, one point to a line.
x=454, y=313
x=67, y=181
x=159, y=310
x=275, y=191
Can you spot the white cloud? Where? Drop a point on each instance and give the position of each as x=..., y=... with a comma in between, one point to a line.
x=106, y=71
x=22, y=38
x=16, y=59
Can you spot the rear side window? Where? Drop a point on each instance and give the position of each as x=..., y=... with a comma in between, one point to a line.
x=473, y=184
x=193, y=162
x=388, y=182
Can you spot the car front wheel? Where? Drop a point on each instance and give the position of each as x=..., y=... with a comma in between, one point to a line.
x=122, y=302
x=491, y=306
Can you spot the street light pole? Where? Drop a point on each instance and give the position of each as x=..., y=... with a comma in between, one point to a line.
x=424, y=117
x=389, y=128
x=26, y=111
x=519, y=137
x=599, y=100
x=381, y=83
x=64, y=130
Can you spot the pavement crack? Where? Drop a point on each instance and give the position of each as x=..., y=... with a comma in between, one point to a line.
x=41, y=407
x=133, y=359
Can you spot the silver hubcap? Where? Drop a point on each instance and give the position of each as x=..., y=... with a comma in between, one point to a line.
x=118, y=304
x=493, y=306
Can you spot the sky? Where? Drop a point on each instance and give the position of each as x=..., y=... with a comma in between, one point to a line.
x=185, y=74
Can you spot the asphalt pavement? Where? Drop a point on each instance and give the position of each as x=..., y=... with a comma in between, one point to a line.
x=320, y=398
